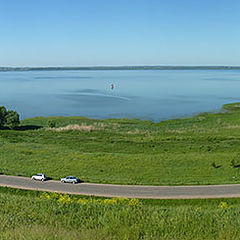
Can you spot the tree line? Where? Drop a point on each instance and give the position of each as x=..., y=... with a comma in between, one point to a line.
x=8, y=118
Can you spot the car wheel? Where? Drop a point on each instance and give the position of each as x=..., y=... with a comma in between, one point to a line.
x=74, y=182
x=42, y=179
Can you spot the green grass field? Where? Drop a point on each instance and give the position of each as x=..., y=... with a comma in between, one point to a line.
x=204, y=149
x=36, y=215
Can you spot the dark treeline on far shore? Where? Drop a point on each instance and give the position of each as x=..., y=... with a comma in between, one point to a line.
x=121, y=68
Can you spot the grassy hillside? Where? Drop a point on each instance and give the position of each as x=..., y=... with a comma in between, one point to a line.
x=204, y=149
x=31, y=215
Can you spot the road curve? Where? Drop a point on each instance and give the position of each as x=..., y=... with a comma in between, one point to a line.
x=129, y=191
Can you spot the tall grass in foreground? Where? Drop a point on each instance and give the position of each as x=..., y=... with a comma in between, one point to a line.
x=33, y=215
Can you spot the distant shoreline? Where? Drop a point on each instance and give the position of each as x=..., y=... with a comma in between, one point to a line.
x=9, y=69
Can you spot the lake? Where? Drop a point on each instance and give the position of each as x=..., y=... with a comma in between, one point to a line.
x=146, y=94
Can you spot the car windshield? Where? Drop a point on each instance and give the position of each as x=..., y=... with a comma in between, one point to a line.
x=70, y=177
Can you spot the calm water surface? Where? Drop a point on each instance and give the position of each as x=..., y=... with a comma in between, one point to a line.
x=152, y=94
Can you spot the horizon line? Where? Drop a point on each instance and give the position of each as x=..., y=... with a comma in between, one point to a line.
x=119, y=66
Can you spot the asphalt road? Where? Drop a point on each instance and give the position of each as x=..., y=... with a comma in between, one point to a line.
x=129, y=191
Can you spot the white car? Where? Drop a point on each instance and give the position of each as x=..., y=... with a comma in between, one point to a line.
x=39, y=176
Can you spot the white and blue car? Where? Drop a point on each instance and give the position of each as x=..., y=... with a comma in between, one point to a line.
x=70, y=179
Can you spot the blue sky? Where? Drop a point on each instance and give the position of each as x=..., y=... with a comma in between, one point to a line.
x=123, y=32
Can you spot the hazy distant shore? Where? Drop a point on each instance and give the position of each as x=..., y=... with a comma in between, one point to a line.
x=5, y=69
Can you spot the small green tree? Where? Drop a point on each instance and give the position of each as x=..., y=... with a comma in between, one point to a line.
x=51, y=123
x=11, y=119
x=3, y=113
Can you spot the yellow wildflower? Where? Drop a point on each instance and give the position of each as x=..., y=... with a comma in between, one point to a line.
x=223, y=205
x=134, y=202
x=55, y=195
x=64, y=199
x=82, y=201
x=122, y=200
x=109, y=201
x=45, y=196
x=198, y=209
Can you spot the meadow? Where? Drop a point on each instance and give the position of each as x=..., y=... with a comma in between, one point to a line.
x=38, y=215
x=203, y=149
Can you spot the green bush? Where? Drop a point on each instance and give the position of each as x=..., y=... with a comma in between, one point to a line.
x=3, y=113
x=8, y=118
x=51, y=123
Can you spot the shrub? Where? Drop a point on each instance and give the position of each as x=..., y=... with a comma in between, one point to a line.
x=3, y=113
x=51, y=123
x=12, y=119
x=214, y=165
x=9, y=118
